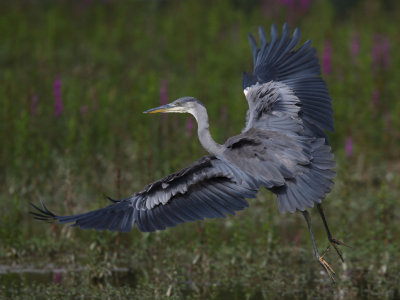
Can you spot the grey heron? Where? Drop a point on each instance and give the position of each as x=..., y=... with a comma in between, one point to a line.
x=282, y=148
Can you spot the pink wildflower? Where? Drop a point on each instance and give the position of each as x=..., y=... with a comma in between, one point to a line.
x=57, y=276
x=288, y=3
x=58, y=106
x=375, y=98
x=385, y=52
x=355, y=46
x=305, y=5
x=163, y=92
x=189, y=125
x=34, y=104
x=83, y=110
x=327, y=57
x=380, y=52
x=224, y=113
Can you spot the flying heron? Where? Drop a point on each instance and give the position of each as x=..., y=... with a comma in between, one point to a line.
x=282, y=148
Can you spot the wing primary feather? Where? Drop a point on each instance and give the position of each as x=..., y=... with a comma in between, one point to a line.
x=182, y=208
x=299, y=53
x=282, y=42
x=253, y=46
x=201, y=196
x=98, y=224
x=144, y=221
x=179, y=208
x=245, y=192
x=125, y=220
x=191, y=206
x=202, y=208
x=172, y=213
x=291, y=45
x=214, y=200
x=273, y=44
x=161, y=213
x=160, y=218
x=229, y=204
x=157, y=224
x=88, y=221
x=263, y=36
x=226, y=199
x=116, y=225
x=228, y=191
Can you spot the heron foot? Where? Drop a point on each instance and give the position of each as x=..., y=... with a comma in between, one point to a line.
x=335, y=243
x=328, y=269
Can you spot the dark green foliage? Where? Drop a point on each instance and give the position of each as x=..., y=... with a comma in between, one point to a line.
x=111, y=58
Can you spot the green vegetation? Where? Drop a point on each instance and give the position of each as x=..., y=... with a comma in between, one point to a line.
x=74, y=81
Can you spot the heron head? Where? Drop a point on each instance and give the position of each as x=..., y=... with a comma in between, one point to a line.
x=181, y=105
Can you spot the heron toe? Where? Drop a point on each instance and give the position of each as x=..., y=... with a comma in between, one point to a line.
x=326, y=266
x=335, y=243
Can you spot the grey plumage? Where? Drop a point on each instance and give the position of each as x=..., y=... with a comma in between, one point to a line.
x=283, y=148
x=280, y=148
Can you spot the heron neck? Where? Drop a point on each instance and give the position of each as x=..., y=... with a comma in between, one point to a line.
x=208, y=142
x=204, y=134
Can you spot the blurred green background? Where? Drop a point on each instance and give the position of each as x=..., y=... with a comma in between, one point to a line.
x=75, y=79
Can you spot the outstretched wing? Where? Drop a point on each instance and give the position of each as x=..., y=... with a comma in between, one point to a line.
x=286, y=85
x=283, y=144
x=209, y=188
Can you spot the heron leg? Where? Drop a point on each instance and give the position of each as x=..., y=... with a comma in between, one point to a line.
x=320, y=258
x=334, y=242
